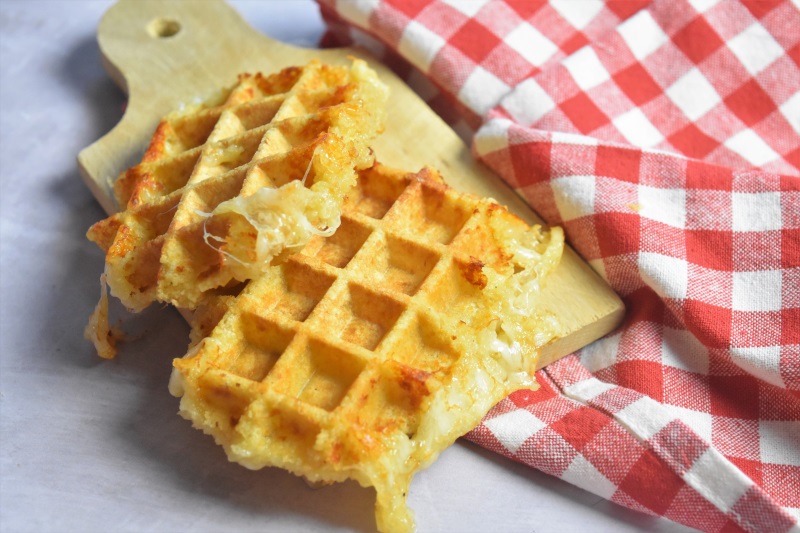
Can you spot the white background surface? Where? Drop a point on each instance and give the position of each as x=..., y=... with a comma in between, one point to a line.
x=91, y=445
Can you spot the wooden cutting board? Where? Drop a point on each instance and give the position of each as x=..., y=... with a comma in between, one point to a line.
x=164, y=53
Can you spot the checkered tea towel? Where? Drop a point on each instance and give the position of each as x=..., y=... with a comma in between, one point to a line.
x=664, y=136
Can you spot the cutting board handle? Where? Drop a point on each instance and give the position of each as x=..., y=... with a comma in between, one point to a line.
x=176, y=36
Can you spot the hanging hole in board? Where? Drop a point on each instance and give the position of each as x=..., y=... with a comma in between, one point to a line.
x=162, y=28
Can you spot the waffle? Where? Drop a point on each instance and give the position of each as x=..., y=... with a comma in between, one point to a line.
x=228, y=186
x=367, y=353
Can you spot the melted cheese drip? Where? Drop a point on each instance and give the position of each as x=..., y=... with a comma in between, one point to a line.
x=510, y=341
x=97, y=330
x=284, y=218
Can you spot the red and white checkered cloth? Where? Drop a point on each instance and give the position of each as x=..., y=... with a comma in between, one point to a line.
x=664, y=136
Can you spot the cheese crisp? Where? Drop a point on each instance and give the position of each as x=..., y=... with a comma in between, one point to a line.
x=228, y=186
x=371, y=350
x=350, y=321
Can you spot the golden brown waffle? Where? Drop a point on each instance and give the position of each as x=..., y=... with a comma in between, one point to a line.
x=226, y=187
x=370, y=351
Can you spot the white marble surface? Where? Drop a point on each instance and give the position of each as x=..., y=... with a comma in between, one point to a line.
x=90, y=445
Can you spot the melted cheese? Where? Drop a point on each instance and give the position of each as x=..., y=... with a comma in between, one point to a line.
x=97, y=330
x=284, y=219
x=516, y=331
x=219, y=155
x=514, y=341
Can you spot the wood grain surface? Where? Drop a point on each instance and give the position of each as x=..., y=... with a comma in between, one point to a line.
x=167, y=53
